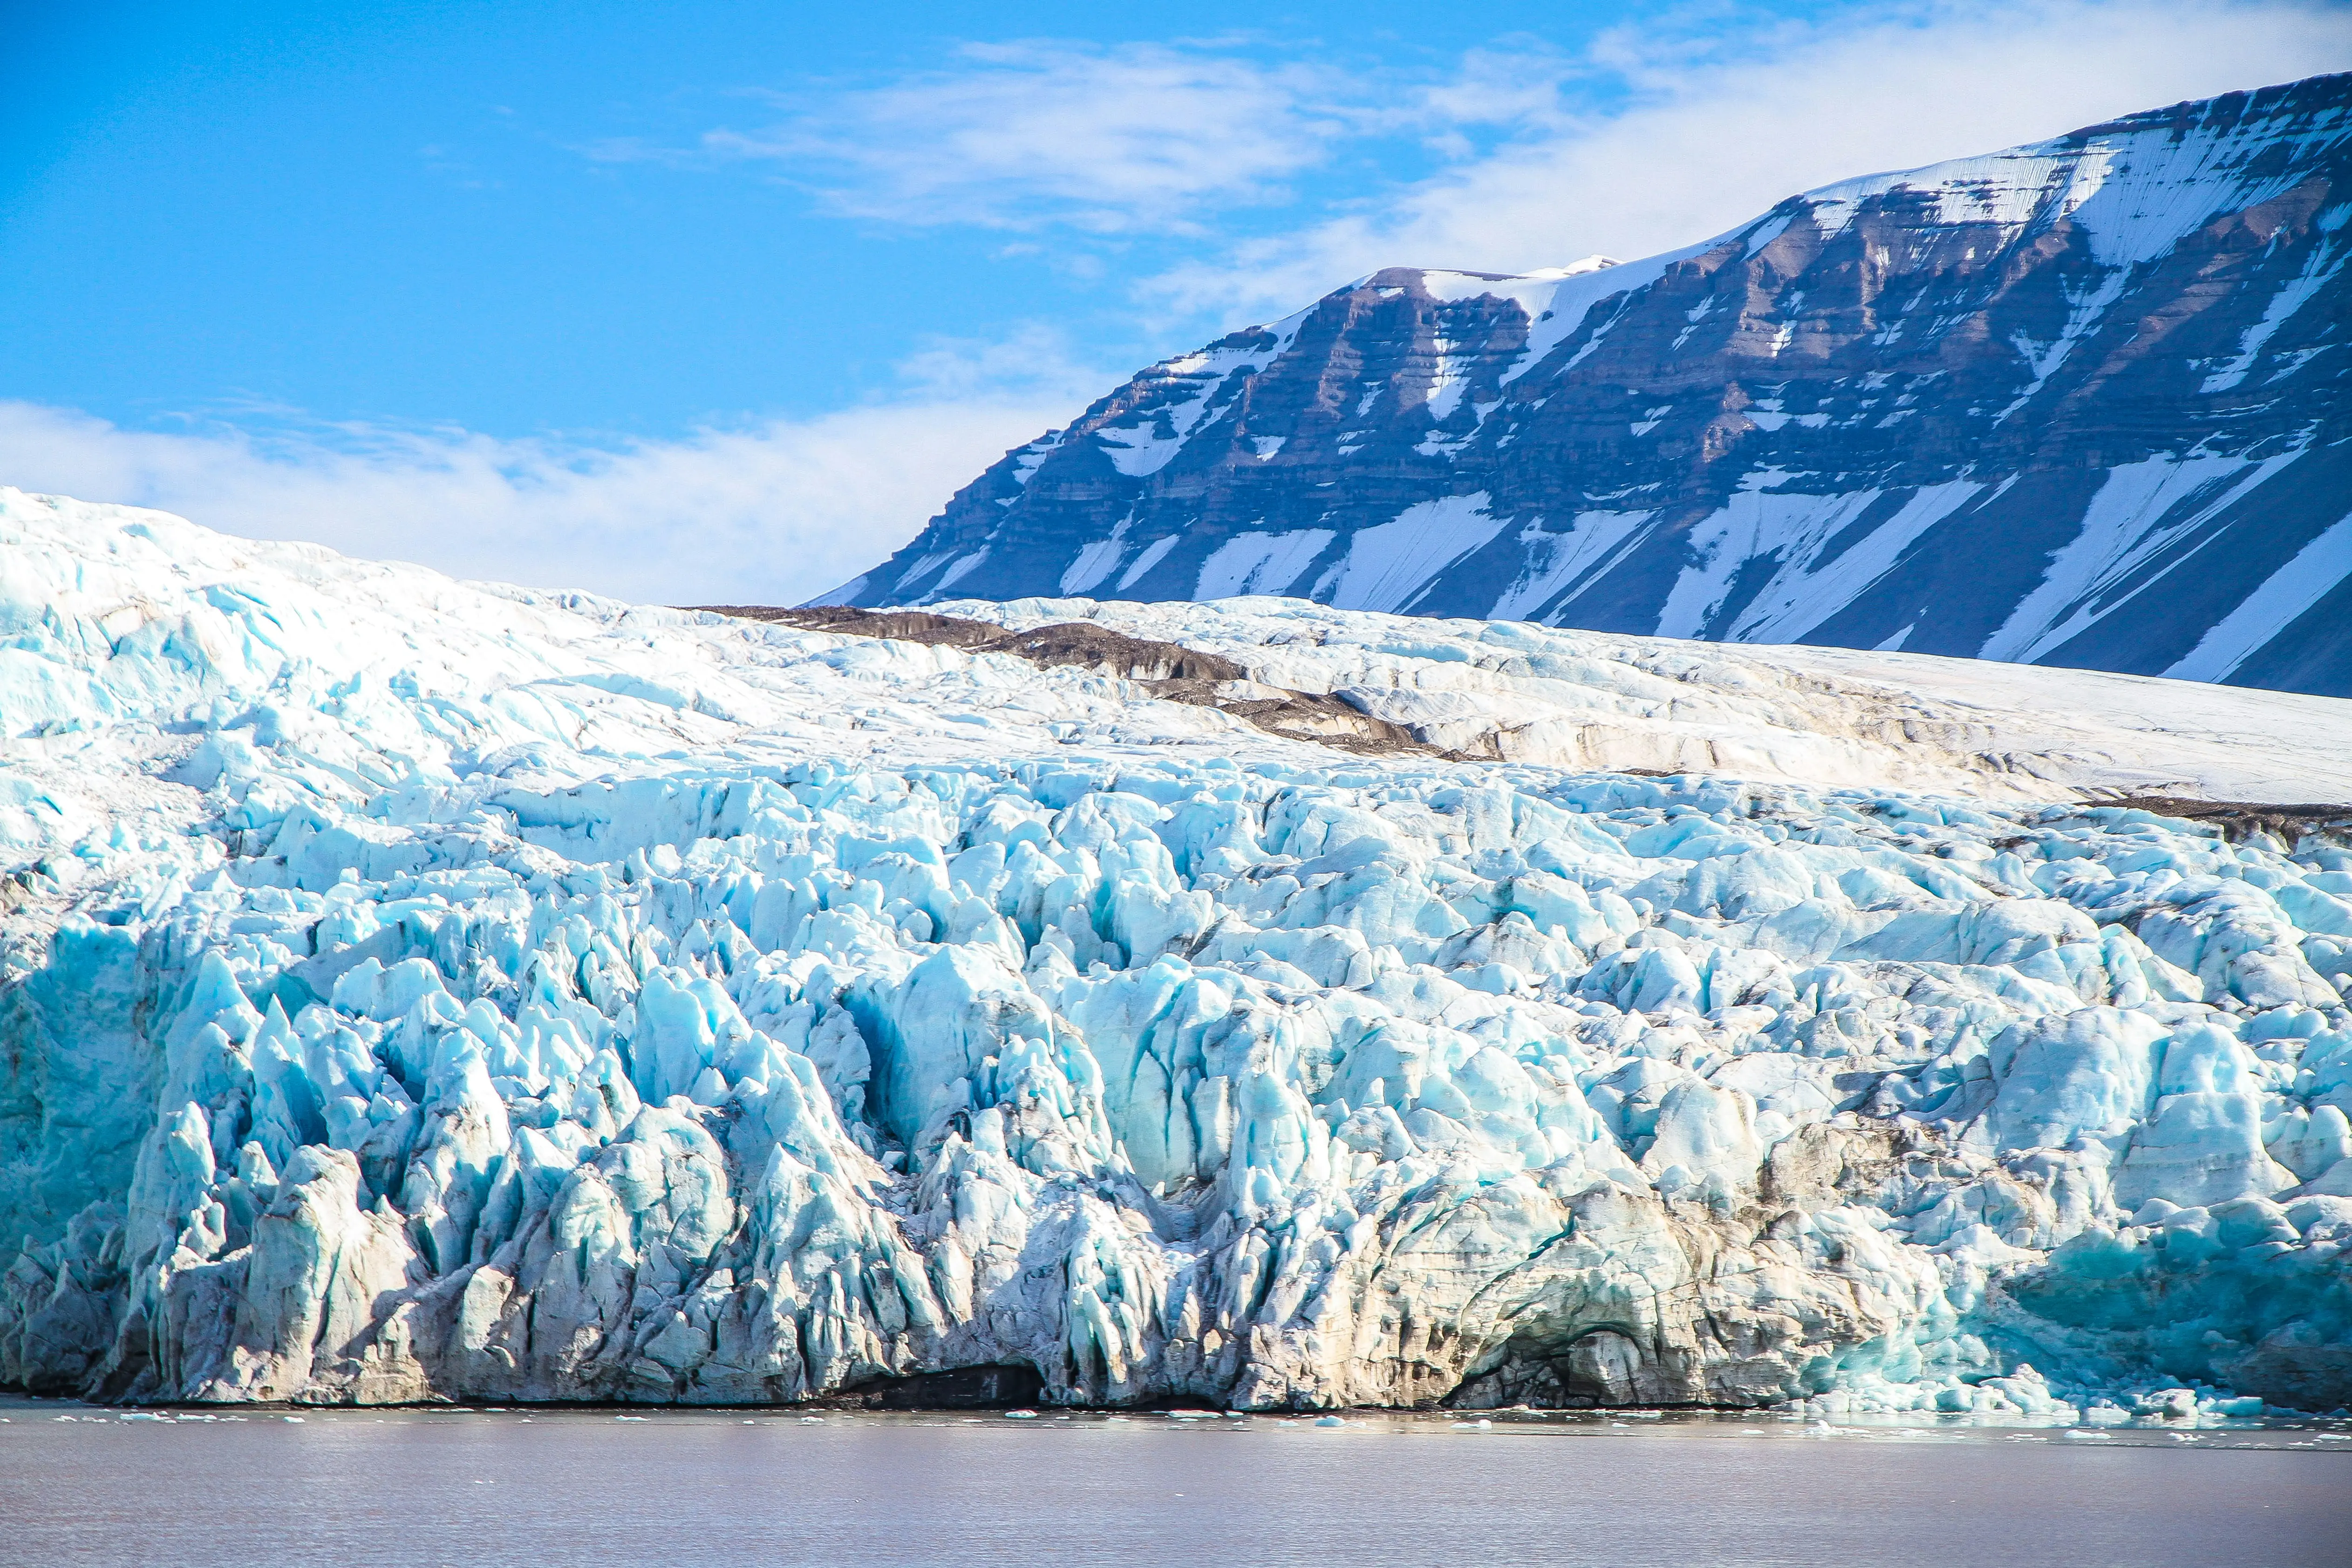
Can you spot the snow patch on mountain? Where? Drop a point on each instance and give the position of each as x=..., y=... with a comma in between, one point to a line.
x=2284, y=597
x=1385, y=563
x=1260, y=562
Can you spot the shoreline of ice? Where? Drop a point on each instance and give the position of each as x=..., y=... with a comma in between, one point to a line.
x=416, y=989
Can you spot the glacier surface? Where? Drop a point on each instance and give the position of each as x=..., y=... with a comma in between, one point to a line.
x=419, y=990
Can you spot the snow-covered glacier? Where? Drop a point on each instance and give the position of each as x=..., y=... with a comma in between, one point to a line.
x=419, y=990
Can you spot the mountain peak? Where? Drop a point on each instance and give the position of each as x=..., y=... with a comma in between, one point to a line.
x=2079, y=403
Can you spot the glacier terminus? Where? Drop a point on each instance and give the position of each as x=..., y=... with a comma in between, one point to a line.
x=418, y=989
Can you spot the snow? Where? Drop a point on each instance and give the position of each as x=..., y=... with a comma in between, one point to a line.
x=1530, y=292
x=2326, y=261
x=421, y=990
x=1752, y=521
x=964, y=567
x=1175, y=402
x=1387, y=563
x=2137, y=189
x=1810, y=589
x=1096, y=560
x=1147, y=452
x=1589, y=545
x=2084, y=581
x=1565, y=306
x=1531, y=289
x=2007, y=189
x=1808, y=584
x=923, y=566
x=1145, y=561
x=1449, y=379
x=2317, y=570
x=1555, y=299
x=1260, y=562
x=1763, y=419
x=2085, y=306
x=2118, y=537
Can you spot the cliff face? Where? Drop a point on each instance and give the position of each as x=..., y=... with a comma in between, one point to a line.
x=2082, y=403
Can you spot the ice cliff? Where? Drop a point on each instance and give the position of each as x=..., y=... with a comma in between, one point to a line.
x=424, y=990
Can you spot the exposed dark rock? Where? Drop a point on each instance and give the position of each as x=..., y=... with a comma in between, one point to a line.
x=1167, y=669
x=2239, y=819
x=964, y=1388
x=905, y=626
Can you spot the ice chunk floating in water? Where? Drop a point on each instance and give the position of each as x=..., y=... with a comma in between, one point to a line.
x=417, y=989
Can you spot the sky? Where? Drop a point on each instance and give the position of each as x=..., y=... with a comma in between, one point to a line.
x=720, y=302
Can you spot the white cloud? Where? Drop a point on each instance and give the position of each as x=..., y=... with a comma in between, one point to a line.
x=1656, y=135
x=1649, y=141
x=773, y=513
x=1142, y=137
x=1713, y=128
x=1032, y=362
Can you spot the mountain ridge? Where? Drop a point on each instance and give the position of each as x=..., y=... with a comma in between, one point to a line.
x=2078, y=403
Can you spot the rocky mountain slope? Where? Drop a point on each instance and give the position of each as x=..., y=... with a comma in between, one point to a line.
x=419, y=990
x=2083, y=403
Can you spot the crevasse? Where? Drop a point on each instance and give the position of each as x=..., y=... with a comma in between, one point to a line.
x=418, y=990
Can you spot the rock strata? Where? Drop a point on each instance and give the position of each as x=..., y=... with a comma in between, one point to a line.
x=2082, y=403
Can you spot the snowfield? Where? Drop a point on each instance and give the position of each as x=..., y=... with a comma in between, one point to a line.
x=416, y=989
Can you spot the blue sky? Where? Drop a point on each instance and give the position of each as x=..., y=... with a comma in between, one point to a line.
x=687, y=301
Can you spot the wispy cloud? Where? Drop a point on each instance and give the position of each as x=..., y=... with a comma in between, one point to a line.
x=1105, y=140
x=1705, y=127
x=1139, y=138
x=1033, y=362
x=774, y=511
x=1516, y=155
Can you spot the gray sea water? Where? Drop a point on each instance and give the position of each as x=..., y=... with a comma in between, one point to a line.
x=83, y=1485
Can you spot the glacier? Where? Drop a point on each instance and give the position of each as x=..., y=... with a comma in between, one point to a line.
x=418, y=989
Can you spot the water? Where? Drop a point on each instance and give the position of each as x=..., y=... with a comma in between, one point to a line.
x=494, y=1488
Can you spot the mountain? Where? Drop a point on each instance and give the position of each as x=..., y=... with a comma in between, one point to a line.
x=416, y=991
x=2083, y=403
